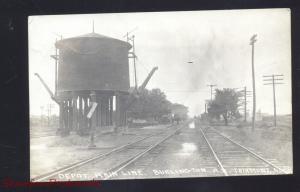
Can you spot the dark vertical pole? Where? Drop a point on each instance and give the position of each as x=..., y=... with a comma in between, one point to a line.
x=85, y=120
x=134, y=64
x=56, y=63
x=273, y=82
x=123, y=118
x=61, y=116
x=74, y=112
x=102, y=110
x=274, y=99
x=71, y=114
x=252, y=41
x=99, y=111
x=96, y=111
x=253, y=86
x=118, y=108
x=64, y=117
x=79, y=115
x=111, y=110
x=107, y=110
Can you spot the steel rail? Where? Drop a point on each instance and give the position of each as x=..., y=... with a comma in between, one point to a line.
x=130, y=160
x=214, y=154
x=250, y=151
x=83, y=162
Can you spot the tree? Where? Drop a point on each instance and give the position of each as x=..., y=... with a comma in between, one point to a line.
x=150, y=104
x=225, y=104
x=179, y=111
x=158, y=105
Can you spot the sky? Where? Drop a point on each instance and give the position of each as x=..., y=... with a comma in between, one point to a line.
x=190, y=48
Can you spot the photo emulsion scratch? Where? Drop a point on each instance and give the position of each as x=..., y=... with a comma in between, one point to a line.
x=160, y=95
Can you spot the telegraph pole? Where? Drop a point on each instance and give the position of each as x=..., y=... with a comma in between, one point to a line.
x=211, y=90
x=132, y=55
x=273, y=80
x=55, y=57
x=246, y=94
x=252, y=41
x=134, y=63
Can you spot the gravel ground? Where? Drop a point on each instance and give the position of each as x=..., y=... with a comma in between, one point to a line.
x=271, y=142
x=50, y=153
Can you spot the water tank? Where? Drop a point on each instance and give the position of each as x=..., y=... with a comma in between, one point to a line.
x=93, y=62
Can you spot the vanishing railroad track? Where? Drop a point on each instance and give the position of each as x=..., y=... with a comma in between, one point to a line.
x=235, y=159
x=217, y=153
x=209, y=153
x=112, y=161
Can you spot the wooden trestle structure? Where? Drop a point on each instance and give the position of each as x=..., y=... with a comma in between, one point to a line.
x=74, y=107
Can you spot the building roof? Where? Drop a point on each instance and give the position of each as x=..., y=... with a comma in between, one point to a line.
x=93, y=36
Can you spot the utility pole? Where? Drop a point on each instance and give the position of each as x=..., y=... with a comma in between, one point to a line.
x=273, y=80
x=252, y=41
x=245, y=95
x=132, y=55
x=134, y=63
x=211, y=90
x=55, y=57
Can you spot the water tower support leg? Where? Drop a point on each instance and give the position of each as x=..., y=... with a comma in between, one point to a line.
x=80, y=115
x=85, y=120
x=75, y=113
x=99, y=119
x=70, y=111
x=118, y=117
x=61, y=120
x=111, y=110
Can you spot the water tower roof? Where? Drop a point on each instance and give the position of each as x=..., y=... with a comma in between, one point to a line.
x=94, y=36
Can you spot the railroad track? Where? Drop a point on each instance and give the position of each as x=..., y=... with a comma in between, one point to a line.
x=235, y=159
x=116, y=169
x=214, y=155
x=112, y=161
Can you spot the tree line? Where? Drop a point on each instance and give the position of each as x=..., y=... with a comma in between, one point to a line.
x=153, y=104
x=225, y=105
